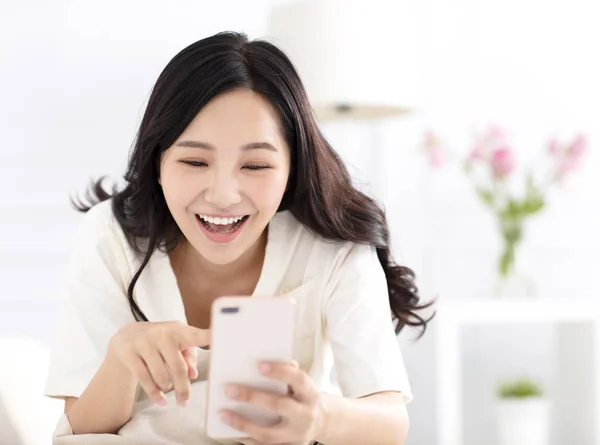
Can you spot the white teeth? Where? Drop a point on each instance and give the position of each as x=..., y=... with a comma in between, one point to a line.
x=220, y=221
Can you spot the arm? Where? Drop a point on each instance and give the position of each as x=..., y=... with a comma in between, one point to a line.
x=309, y=415
x=101, y=354
x=98, y=394
x=369, y=368
x=107, y=403
x=158, y=356
x=380, y=418
x=368, y=361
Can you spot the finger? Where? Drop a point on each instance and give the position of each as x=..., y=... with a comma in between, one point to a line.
x=302, y=387
x=140, y=371
x=192, y=336
x=190, y=356
x=179, y=369
x=157, y=368
x=251, y=442
x=282, y=405
x=257, y=433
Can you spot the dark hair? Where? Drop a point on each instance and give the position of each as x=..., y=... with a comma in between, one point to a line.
x=320, y=193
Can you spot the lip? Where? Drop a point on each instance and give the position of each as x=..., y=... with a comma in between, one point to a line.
x=221, y=238
x=220, y=216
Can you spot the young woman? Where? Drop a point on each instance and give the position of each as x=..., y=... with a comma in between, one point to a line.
x=231, y=189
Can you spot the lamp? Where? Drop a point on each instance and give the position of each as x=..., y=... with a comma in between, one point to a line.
x=351, y=55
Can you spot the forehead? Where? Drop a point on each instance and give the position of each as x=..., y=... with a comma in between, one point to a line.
x=236, y=114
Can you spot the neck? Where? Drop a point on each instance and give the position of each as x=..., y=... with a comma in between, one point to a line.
x=196, y=265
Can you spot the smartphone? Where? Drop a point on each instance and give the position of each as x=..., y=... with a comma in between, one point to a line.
x=244, y=332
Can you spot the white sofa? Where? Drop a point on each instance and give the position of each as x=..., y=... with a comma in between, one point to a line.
x=27, y=417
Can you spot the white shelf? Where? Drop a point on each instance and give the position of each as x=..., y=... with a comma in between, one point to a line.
x=519, y=311
x=578, y=322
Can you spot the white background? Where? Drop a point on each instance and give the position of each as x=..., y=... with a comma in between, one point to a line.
x=75, y=76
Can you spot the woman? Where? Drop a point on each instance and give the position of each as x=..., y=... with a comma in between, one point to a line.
x=232, y=190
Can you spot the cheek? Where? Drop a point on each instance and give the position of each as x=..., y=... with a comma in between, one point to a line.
x=178, y=189
x=270, y=190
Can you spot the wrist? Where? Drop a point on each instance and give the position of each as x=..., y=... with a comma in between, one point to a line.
x=115, y=367
x=328, y=405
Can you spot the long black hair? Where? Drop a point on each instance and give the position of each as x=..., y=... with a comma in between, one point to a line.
x=320, y=193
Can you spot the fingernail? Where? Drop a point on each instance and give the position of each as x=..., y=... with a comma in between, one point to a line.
x=295, y=364
x=226, y=417
x=264, y=368
x=183, y=403
x=231, y=391
x=162, y=402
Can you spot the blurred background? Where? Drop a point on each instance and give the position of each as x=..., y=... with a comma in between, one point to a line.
x=438, y=108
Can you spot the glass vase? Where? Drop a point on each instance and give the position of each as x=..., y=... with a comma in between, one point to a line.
x=514, y=279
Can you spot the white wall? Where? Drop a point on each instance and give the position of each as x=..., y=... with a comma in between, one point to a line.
x=74, y=78
x=74, y=81
x=530, y=67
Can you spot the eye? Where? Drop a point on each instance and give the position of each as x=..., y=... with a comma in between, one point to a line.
x=195, y=163
x=255, y=167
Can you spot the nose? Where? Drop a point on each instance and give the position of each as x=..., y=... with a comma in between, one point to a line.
x=223, y=190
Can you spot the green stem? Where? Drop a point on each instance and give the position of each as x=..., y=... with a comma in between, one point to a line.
x=506, y=263
x=511, y=229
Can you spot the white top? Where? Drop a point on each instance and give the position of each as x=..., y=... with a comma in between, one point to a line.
x=342, y=307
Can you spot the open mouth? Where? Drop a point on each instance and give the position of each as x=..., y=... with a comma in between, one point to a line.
x=221, y=225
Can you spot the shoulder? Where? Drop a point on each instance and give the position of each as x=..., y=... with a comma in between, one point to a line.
x=99, y=220
x=98, y=233
x=323, y=257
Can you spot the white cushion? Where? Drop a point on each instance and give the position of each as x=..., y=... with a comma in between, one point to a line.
x=26, y=416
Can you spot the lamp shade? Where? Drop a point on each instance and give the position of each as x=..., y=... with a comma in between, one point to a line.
x=354, y=56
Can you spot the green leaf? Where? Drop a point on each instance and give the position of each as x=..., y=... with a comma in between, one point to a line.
x=513, y=211
x=534, y=200
x=533, y=205
x=520, y=388
x=486, y=196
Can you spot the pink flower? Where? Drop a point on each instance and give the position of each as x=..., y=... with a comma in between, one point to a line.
x=578, y=147
x=495, y=136
x=436, y=157
x=477, y=153
x=433, y=148
x=554, y=147
x=567, y=166
x=492, y=138
x=502, y=162
x=431, y=141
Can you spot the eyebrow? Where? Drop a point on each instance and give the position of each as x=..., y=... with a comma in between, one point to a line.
x=245, y=147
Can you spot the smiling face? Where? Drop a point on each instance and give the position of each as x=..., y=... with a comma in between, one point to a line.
x=224, y=177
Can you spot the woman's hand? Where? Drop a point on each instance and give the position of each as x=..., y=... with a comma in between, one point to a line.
x=160, y=356
x=301, y=410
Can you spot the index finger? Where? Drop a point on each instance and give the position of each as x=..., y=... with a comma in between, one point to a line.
x=196, y=337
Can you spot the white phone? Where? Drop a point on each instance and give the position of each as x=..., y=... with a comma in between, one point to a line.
x=244, y=332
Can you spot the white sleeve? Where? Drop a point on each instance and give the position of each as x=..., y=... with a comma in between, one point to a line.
x=359, y=328
x=94, y=308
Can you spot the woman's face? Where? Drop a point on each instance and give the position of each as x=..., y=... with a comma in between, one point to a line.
x=224, y=177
